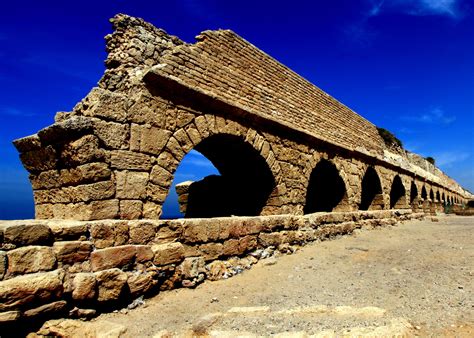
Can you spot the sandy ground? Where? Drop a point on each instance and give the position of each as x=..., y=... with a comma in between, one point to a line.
x=415, y=278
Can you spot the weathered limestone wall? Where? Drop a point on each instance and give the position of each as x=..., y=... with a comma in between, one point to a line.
x=61, y=268
x=265, y=129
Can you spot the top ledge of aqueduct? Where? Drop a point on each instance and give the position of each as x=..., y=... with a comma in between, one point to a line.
x=281, y=145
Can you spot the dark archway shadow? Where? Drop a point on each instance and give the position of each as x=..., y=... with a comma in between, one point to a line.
x=424, y=195
x=243, y=186
x=371, y=196
x=326, y=189
x=413, y=193
x=397, y=192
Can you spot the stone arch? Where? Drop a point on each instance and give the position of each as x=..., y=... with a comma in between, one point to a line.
x=397, y=193
x=371, y=194
x=249, y=171
x=443, y=197
x=432, y=197
x=326, y=189
x=438, y=196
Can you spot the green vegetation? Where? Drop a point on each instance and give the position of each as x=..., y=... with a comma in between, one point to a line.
x=389, y=138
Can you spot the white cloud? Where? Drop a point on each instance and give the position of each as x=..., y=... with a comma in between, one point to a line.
x=12, y=111
x=450, y=8
x=448, y=159
x=436, y=116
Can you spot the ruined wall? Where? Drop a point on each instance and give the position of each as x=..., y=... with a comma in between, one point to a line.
x=78, y=269
x=115, y=154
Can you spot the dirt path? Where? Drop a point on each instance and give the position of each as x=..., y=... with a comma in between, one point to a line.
x=415, y=278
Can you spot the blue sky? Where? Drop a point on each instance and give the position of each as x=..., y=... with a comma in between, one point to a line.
x=405, y=65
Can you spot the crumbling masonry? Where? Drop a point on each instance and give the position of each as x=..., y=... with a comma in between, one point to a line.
x=285, y=150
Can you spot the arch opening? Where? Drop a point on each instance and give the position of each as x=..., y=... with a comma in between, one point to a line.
x=431, y=195
x=438, y=197
x=424, y=195
x=242, y=186
x=397, y=192
x=326, y=189
x=413, y=192
x=371, y=196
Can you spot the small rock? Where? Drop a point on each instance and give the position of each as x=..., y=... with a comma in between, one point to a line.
x=214, y=300
x=82, y=313
x=269, y=261
x=136, y=303
x=188, y=284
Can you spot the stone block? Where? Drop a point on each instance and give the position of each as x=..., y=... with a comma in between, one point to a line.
x=3, y=264
x=81, y=151
x=202, y=126
x=27, y=143
x=105, y=104
x=195, y=230
x=90, y=192
x=161, y=176
x=183, y=187
x=211, y=251
x=156, y=193
x=148, y=139
x=247, y=243
x=270, y=239
x=113, y=135
x=9, y=316
x=167, y=161
x=40, y=159
x=105, y=234
x=148, y=110
x=151, y=210
x=89, y=172
x=131, y=184
x=107, y=209
x=114, y=257
x=45, y=180
x=129, y=160
x=83, y=286
x=139, y=283
x=110, y=284
x=193, y=135
x=142, y=232
x=37, y=287
x=183, y=139
x=175, y=148
x=68, y=230
x=167, y=234
x=183, y=118
x=70, y=252
x=27, y=234
x=131, y=209
x=70, y=128
x=30, y=259
x=231, y=248
x=144, y=253
x=46, y=309
x=168, y=253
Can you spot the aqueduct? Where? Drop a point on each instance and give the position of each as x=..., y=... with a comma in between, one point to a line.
x=281, y=145
x=295, y=165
